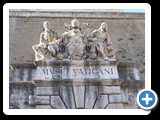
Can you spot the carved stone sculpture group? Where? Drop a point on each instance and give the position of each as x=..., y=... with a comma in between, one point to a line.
x=74, y=44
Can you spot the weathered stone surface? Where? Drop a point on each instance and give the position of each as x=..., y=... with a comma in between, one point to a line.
x=47, y=91
x=116, y=98
x=22, y=72
x=19, y=98
x=25, y=74
x=101, y=102
x=67, y=96
x=125, y=98
x=43, y=107
x=130, y=94
x=16, y=75
x=57, y=103
x=38, y=100
x=91, y=94
x=77, y=70
x=132, y=71
x=132, y=103
x=115, y=106
x=109, y=89
x=79, y=96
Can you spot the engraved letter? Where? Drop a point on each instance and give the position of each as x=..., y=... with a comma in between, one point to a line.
x=75, y=71
x=111, y=71
x=101, y=71
x=52, y=71
x=107, y=71
x=45, y=71
x=81, y=72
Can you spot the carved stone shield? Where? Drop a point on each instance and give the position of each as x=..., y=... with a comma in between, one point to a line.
x=76, y=47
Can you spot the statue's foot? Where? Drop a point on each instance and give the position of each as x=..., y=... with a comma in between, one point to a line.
x=39, y=59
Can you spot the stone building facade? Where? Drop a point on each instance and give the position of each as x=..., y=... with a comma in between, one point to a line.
x=126, y=31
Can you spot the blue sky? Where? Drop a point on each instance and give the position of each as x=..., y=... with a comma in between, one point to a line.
x=133, y=10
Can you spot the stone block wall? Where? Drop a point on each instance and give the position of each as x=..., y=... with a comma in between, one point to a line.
x=78, y=97
x=28, y=93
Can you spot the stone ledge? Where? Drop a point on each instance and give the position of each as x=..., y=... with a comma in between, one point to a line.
x=121, y=64
x=57, y=63
x=23, y=84
x=30, y=65
x=116, y=82
x=50, y=83
x=133, y=83
x=74, y=63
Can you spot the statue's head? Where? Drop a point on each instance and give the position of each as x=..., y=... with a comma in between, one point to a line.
x=75, y=23
x=103, y=26
x=46, y=25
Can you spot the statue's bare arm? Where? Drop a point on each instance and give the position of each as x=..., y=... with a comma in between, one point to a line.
x=42, y=41
x=92, y=36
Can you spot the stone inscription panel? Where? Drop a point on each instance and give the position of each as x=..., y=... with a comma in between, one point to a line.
x=76, y=73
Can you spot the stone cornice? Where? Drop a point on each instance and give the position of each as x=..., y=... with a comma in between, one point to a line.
x=44, y=83
x=99, y=14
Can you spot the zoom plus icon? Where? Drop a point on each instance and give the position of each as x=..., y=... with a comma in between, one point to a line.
x=147, y=99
